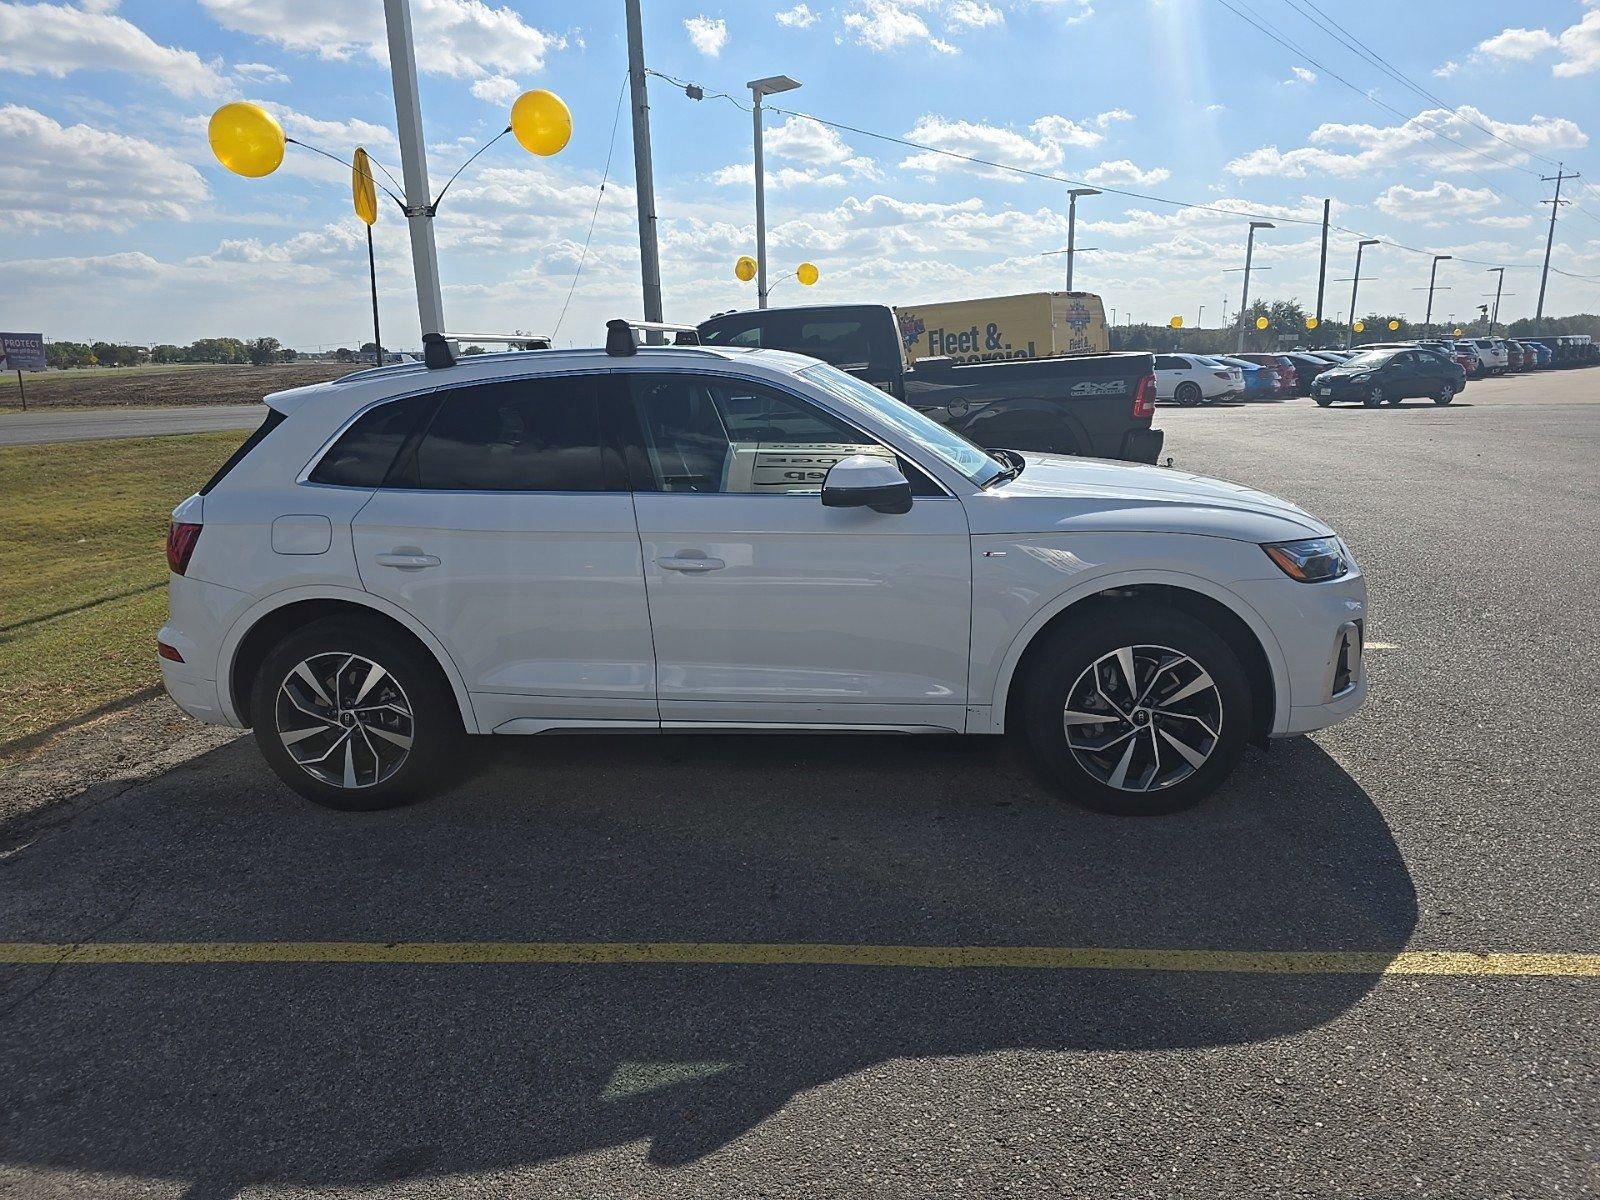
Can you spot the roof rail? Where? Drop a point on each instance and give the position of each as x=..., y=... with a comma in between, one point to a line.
x=620, y=340
x=436, y=346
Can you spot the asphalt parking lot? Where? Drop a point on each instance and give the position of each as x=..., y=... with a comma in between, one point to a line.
x=1457, y=812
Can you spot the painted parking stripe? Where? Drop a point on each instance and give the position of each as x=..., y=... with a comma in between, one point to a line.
x=1060, y=958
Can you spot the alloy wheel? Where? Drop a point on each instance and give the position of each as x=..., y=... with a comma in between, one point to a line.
x=344, y=720
x=1143, y=718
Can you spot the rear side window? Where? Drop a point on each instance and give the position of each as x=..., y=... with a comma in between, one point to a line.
x=273, y=420
x=526, y=435
x=1170, y=362
x=362, y=455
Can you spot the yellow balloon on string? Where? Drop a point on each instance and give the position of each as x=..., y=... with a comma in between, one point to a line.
x=1176, y=322
x=1360, y=327
x=807, y=273
x=246, y=139
x=363, y=188
x=744, y=270
x=1262, y=322
x=541, y=121
x=1394, y=324
x=1311, y=322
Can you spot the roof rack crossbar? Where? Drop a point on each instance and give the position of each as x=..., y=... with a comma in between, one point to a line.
x=506, y=338
x=620, y=341
x=437, y=354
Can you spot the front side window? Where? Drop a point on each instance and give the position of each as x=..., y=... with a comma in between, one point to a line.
x=525, y=435
x=711, y=434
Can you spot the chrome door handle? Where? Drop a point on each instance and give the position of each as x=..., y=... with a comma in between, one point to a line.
x=407, y=562
x=692, y=563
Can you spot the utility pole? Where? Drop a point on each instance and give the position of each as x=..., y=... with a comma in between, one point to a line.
x=1199, y=315
x=414, y=165
x=644, y=186
x=1433, y=274
x=1249, y=252
x=759, y=88
x=1499, y=284
x=1322, y=266
x=1355, y=282
x=1550, y=238
x=1072, y=225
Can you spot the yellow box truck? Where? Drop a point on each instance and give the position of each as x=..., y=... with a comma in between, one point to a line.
x=1034, y=325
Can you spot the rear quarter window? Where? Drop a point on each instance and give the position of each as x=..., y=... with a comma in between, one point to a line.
x=364, y=452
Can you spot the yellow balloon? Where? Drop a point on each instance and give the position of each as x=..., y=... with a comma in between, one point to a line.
x=246, y=139
x=1176, y=322
x=363, y=189
x=1262, y=322
x=1360, y=327
x=1311, y=322
x=1394, y=324
x=807, y=273
x=1455, y=333
x=745, y=269
x=541, y=121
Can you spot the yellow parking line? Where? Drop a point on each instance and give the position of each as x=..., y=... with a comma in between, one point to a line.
x=1060, y=958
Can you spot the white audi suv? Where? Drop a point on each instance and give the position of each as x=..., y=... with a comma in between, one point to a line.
x=652, y=539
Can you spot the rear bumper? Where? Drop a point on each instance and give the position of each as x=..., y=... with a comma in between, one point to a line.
x=1142, y=445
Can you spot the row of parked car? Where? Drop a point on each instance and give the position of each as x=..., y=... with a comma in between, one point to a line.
x=1409, y=369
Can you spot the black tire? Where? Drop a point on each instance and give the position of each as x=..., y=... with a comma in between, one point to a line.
x=1323, y=401
x=1444, y=395
x=409, y=682
x=1373, y=398
x=1393, y=401
x=1188, y=394
x=1062, y=666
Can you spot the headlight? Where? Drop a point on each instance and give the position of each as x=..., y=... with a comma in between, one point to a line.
x=1313, y=560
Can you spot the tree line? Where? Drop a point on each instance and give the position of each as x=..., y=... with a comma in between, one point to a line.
x=254, y=351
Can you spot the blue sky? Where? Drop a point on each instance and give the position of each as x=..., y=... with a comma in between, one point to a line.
x=118, y=224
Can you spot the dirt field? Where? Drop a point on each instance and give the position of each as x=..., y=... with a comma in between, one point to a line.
x=179, y=385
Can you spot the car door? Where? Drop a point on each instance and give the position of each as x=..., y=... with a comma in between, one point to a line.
x=506, y=527
x=1168, y=368
x=768, y=609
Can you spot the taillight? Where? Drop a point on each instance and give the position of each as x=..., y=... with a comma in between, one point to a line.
x=1144, y=399
x=1223, y=374
x=181, y=538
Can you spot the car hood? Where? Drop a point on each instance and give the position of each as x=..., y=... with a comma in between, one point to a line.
x=1057, y=494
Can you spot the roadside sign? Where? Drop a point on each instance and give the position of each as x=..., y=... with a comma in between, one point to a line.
x=21, y=351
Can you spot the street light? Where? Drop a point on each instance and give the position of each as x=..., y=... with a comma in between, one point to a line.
x=1072, y=225
x=1350, y=340
x=1249, y=251
x=1433, y=274
x=760, y=88
x=1499, y=284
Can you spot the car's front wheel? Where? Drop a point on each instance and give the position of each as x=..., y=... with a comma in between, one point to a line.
x=1374, y=397
x=1445, y=394
x=1324, y=401
x=354, y=720
x=1139, y=711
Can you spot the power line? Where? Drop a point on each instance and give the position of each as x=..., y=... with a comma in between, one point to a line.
x=595, y=212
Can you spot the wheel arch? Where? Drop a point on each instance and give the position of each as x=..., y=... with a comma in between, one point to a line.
x=261, y=626
x=1234, y=619
x=1032, y=413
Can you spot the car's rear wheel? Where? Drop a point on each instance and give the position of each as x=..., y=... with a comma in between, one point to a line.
x=1188, y=394
x=1323, y=401
x=1142, y=712
x=1445, y=394
x=353, y=720
x=1373, y=398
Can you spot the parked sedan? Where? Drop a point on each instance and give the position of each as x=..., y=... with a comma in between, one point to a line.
x=1192, y=379
x=1516, y=357
x=1390, y=376
x=1306, y=369
x=1288, y=377
x=1541, y=353
x=1259, y=382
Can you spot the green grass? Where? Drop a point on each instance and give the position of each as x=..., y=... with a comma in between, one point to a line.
x=82, y=567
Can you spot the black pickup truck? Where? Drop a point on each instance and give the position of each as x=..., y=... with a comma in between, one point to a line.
x=1097, y=405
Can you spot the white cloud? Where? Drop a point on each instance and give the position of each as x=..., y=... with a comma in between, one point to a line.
x=974, y=13
x=1300, y=75
x=708, y=34
x=55, y=40
x=1440, y=204
x=259, y=73
x=1124, y=171
x=1446, y=69
x=1046, y=149
x=77, y=178
x=1517, y=44
x=1348, y=150
x=332, y=136
x=463, y=38
x=885, y=25
x=777, y=178
x=809, y=142
x=498, y=90
x=1577, y=47
x=798, y=17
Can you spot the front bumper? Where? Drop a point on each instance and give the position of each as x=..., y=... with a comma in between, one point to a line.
x=1320, y=629
x=1328, y=389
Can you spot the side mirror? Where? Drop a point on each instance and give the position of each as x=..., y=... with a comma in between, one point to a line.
x=866, y=481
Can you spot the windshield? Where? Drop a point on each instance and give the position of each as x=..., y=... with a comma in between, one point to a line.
x=1370, y=358
x=944, y=444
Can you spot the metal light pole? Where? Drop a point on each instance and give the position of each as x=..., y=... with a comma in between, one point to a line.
x=1198, y=315
x=414, y=165
x=1249, y=252
x=644, y=187
x=1350, y=339
x=770, y=86
x=1433, y=274
x=1072, y=225
x=1499, y=284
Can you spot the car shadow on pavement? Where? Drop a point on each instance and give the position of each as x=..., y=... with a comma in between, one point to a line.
x=226, y=1076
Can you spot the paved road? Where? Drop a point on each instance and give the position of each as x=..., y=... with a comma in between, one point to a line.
x=83, y=424
x=1458, y=811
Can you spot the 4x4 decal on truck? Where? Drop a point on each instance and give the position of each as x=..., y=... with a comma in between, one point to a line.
x=1091, y=387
